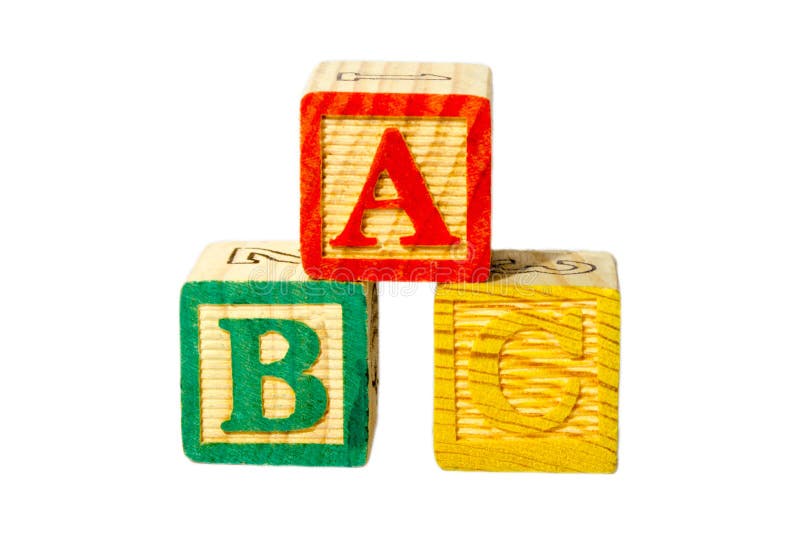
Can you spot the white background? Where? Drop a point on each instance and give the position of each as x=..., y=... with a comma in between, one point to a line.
x=134, y=133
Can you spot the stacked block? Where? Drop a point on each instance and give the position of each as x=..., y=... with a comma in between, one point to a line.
x=279, y=359
x=276, y=368
x=396, y=172
x=527, y=365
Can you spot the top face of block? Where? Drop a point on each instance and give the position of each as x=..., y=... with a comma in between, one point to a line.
x=554, y=268
x=395, y=172
x=401, y=78
x=250, y=261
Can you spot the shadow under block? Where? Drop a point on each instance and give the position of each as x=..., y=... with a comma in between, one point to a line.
x=275, y=368
x=396, y=172
x=527, y=365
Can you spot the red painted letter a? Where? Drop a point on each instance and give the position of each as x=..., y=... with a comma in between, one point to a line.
x=394, y=158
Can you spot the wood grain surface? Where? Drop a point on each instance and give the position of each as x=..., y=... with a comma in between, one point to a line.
x=402, y=78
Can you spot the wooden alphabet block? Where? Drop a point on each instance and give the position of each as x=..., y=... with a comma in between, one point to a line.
x=527, y=365
x=275, y=368
x=396, y=172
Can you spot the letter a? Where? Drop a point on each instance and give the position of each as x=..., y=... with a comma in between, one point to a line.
x=394, y=158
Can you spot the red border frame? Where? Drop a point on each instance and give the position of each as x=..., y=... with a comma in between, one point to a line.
x=474, y=109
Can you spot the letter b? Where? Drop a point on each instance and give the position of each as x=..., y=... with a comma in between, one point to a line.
x=311, y=398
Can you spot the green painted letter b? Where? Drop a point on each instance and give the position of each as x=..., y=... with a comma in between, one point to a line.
x=311, y=398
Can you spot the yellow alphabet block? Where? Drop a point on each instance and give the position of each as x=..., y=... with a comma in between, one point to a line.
x=527, y=365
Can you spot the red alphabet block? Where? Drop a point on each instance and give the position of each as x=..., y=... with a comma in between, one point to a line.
x=396, y=172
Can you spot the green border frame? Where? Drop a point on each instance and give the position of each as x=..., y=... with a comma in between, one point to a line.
x=352, y=297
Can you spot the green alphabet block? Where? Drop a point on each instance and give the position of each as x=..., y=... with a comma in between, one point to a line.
x=275, y=368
